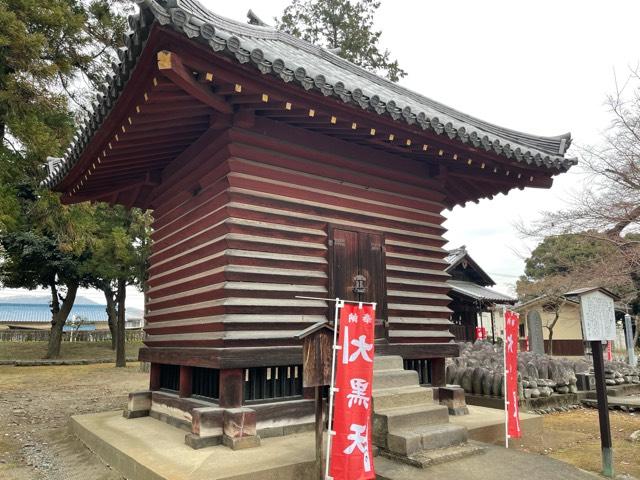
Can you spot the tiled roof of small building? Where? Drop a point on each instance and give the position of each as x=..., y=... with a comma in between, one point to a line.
x=478, y=292
x=455, y=255
x=41, y=313
x=296, y=61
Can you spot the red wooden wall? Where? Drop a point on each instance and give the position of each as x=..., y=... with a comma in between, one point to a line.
x=239, y=236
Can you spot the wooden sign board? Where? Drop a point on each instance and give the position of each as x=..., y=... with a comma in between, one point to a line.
x=598, y=317
x=317, y=350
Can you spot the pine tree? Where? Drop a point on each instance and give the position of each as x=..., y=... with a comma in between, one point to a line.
x=53, y=56
x=343, y=25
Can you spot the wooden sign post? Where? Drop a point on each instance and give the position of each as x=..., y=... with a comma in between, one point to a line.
x=316, y=372
x=598, y=326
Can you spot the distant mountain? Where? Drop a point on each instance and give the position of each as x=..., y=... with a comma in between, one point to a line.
x=43, y=300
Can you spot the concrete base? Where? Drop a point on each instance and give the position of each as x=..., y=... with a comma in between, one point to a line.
x=496, y=463
x=622, y=403
x=135, y=413
x=240, y=443
x=145, y=449
x=527, y=405
x=171, y=420
x=487, y=425
x=197, y=442
x=622, y=390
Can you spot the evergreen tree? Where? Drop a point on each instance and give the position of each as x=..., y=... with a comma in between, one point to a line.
x=53, y=56
x=343, y=25
x=564, y=254
x=119, y=258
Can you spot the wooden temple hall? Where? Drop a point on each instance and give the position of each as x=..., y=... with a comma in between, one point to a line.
x=275, y=170
x=473, y=304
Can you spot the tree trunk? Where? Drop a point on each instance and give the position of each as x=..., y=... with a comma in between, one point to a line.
x=552, y=325
x=58, y=320
x=121, y=294
x=111, y=314
x=55, y=301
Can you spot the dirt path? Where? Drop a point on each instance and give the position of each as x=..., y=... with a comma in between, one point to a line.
x=35, y=406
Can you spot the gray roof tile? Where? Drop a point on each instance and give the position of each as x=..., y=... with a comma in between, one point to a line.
x=477, y=292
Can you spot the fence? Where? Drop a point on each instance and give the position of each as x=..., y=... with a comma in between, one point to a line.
x=81, y=336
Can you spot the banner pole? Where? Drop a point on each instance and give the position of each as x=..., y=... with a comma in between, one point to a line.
x=303, y=297
x=505, y=394
x=330, y=432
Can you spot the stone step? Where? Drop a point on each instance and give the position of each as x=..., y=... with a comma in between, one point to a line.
x=390, y=419
x=412, y=440
x=387, y=362
x=424, y=459
x=395, y=378
x=401, y=397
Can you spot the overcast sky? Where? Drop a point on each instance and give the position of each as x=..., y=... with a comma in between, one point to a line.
x=542, y=67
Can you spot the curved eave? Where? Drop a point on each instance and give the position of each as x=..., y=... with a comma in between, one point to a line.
x=198, y=24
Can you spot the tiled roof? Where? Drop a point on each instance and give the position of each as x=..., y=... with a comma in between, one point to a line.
x=41, y=313
x=477, y=292
x=460, y=254
x=293, y=60
x=455, y=256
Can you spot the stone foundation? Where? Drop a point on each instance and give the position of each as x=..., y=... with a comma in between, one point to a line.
x=209, y=424
x=453, y=398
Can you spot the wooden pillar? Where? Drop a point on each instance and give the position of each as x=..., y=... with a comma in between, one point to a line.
x=493, y=327
x=185, y=381
x=231, y=388
x=603, y=409
x=308, y=393
x=438, y=378
x=319, y=429
x=154, y=376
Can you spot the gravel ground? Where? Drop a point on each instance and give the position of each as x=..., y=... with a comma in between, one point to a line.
x=36, y=403
x=35, y=406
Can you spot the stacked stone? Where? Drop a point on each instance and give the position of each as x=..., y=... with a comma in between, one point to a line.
x=479, y=370
x=618, y=373
x=543, y=375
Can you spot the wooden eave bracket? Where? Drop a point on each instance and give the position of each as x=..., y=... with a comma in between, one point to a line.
x=170, y=65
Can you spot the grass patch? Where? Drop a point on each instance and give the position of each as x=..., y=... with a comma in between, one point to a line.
x=68, y=351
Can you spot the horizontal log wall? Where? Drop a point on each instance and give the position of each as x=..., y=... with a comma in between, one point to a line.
x=238, y=238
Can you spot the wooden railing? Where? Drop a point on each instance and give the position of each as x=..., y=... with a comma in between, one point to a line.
x=462, y=333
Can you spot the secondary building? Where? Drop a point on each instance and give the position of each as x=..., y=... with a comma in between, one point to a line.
x=563, y=316
x=83, y=317
x=477, y=310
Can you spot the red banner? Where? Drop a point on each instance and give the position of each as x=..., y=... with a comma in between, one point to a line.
x=512, y=332
x=351, y=455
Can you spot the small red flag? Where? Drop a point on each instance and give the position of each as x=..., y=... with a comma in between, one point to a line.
x=512, y=321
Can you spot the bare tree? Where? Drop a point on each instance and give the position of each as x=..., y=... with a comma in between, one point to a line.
x=607, y=207
x=551, y=290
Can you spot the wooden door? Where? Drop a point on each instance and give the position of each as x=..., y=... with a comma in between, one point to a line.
x=357, y=260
